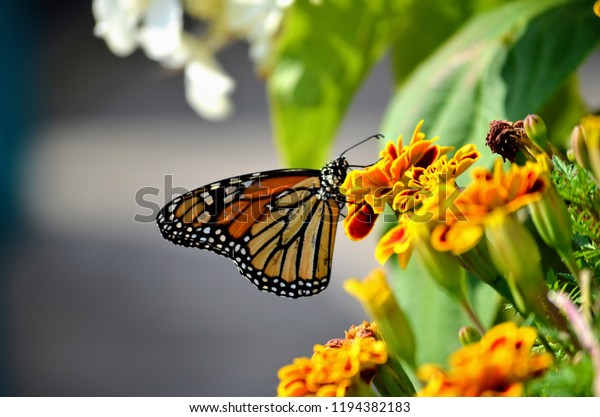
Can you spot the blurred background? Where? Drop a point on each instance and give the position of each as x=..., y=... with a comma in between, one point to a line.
x=94, y=303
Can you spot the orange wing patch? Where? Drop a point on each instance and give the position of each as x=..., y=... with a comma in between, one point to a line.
x=272, y=186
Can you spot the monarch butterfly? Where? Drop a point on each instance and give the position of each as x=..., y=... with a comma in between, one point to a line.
x=278, y=227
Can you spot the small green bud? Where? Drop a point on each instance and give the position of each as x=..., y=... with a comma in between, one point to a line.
x=553, y=223
x=579, y=146
x=536, y=129
x=468, y=335
x=516, y=255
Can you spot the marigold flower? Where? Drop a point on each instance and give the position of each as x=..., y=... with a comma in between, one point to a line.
x=399, y=240
x=368, y=191
x=435, y=210
x=423, y=181
x=504, y=138
x=498, y=365
x=335, y=368
x=413, y=233
x=490, y=193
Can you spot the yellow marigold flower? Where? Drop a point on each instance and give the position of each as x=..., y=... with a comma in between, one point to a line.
x=417, y=226
x=334, y=368
x=368, y=191
x=489, y=194
x=420, y=182
x=597, y=8
x=498, y=365
x=365, y=329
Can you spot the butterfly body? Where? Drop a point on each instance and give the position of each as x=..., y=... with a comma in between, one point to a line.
x=277, y=226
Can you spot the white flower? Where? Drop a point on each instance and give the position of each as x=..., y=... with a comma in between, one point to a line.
x=160, y=35
x=207, y=85
x=207, y=88
x=157, y=26
x=117, y=22
x=258, y=21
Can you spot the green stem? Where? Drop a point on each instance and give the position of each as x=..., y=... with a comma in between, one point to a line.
x=548, y=347
x=586, y=297
x=472, y=315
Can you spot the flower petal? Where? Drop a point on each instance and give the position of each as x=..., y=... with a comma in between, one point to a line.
x=160, y=36
x=207, y=89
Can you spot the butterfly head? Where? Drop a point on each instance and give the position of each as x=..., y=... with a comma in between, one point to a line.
x=332, y=176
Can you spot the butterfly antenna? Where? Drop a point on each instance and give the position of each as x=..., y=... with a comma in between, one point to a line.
x=376, y=136
x=365, y=166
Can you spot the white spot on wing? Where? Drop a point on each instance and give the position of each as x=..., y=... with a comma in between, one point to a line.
x=228, y=199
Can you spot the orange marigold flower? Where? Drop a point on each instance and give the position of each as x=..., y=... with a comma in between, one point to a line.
x=420, y=182
x=365, y=329
x=498, y=365
x=335, y=367
x=490, y=193
x=368, y=191
x=399, y=240
x=419, y=224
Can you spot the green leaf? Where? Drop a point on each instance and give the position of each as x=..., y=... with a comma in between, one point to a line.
x=438, y=317
x=324, y=53
x=554, y=44
x=503, y=64
x=563, y=111
x=441, y=20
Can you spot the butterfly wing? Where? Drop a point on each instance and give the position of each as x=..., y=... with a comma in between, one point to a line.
x=274, y=225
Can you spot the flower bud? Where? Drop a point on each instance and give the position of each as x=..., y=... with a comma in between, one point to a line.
x=379, y=302
x=517, y=257
x=468, y=335
x=579, y=146
x=553, y=223
x=536, y=129
x=585, y=141
x=515, y=253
